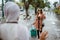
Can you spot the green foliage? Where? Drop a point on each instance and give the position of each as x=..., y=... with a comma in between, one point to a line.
x=18, y=3
x=23, y=1
x=47, y=4
x=39, y=3
x=31, y=7
x=36, y=4
x=30, y=1
x=57, y=11
x=55, y=4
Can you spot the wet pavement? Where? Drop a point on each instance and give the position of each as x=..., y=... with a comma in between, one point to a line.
x=52, y=20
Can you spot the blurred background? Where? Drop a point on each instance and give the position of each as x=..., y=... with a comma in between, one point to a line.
x=28, y=8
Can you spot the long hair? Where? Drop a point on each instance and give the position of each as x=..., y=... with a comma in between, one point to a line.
x=40, y=10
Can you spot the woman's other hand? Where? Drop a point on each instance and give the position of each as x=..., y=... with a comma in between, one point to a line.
x=43, y=35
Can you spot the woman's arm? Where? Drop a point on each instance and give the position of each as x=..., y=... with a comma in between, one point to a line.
x=35, y=20
x=44, y=16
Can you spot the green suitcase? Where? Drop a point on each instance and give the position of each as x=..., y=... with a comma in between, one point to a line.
x=33, y=32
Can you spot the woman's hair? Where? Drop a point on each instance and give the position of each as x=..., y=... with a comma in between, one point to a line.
x=40, y=11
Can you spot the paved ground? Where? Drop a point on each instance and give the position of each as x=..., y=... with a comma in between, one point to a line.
x=52, y=20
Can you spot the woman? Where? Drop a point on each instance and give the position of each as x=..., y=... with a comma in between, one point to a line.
x=39, y=20
x=12, y=30
x=40, y=17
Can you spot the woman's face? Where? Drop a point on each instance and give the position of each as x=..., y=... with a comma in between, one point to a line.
x=38, y=11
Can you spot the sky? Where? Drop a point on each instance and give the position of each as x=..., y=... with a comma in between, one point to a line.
x=52, y=1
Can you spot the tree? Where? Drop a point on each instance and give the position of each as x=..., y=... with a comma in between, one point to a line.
x=18, y=3
x=2, y=8
x=55, y=4
x=38, y=4
x=26, y=6
x=47, y=4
